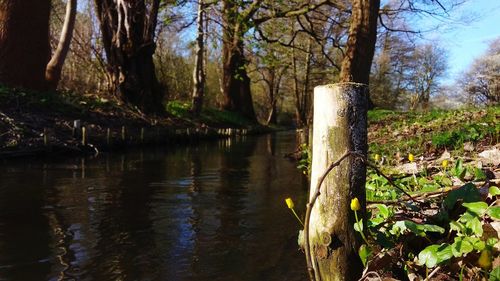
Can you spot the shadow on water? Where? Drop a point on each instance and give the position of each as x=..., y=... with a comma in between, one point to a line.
x=214, y=211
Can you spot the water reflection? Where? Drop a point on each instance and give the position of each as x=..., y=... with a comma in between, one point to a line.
x=209, y=212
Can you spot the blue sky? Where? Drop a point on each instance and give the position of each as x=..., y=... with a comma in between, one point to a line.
x=464, y=42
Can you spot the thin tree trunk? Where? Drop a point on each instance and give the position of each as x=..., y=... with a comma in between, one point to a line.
x=271, y=83
x=199, y=73
x=299, y=112
x=24, y=43
x=305, y=95
x=55, y=65
x=340, y=127
x=273, y=117
x=360, y=49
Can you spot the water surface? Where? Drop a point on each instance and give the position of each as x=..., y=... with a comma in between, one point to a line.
x=212, y=211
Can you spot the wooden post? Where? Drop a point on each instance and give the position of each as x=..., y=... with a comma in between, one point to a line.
x=123, y=133
x=45, y=137
x=340, y=130
x=84, y=136
x=142, y=135
x=76, y=128
x=108, y=136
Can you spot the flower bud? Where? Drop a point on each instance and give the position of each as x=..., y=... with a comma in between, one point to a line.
x=355, y=206
x=411, y=157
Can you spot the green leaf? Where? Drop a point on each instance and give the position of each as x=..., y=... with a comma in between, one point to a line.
x=461, y=247
x=444, y=252
x=434, y=254
x=398, y=228
x=358, y=226
x=494, y=212
x=428, y=256
x=495, y=274
x=467, y=216
x=364, y=253
x=479, y=208
x=466, y=193
x=479, y=174
x=420, y=229
x=491, y=242
x=383, y=210
x=494, y=190
x=475, y=226
x=375, y=221
x=458, y=227
x=477, y=243
x=459, y=169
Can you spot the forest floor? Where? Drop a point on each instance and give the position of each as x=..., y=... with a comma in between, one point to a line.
x=44, y=123
x=432, y=193
x=433, y=196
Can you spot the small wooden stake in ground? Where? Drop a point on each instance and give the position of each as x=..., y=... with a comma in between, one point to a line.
x=340, y=126
x=76, y=128
x=45, y=137
x=108, y=136
x=84, y=136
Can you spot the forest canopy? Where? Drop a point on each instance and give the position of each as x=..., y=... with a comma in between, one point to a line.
x=258, y=58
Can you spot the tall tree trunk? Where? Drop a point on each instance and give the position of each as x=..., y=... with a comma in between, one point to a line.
x=235, y=80
x=273, y=116
x=271, y=83
x=128, y=37
x=358, y=59
x=55, y=65
x=199, y=72
x=306, y=97
x=300, y=115
x=302, y=98
x=24, y=43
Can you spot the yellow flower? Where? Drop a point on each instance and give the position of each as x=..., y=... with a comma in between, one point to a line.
x=444, y=164
x=377, y=158
x=355, y=206
x=289, y=203
x=484, y=260
x=411, y=157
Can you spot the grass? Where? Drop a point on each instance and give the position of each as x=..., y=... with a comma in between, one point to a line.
x=391, y=132
x=63, y=102
x=208, y=116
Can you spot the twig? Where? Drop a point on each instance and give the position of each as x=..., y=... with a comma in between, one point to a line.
x=368, y=274
x=432, y=273
x=431, y=194
x=309, y=206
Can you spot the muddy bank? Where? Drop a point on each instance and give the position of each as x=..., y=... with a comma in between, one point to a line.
x=55, y=123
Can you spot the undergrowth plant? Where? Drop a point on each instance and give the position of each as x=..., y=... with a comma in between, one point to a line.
x=442, y=228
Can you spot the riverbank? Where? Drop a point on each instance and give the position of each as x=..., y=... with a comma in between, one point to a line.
x=67, y=123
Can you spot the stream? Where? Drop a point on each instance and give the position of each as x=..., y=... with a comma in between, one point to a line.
x=208, y=211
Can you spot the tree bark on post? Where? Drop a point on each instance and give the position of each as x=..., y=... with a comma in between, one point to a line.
x=339, y=131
